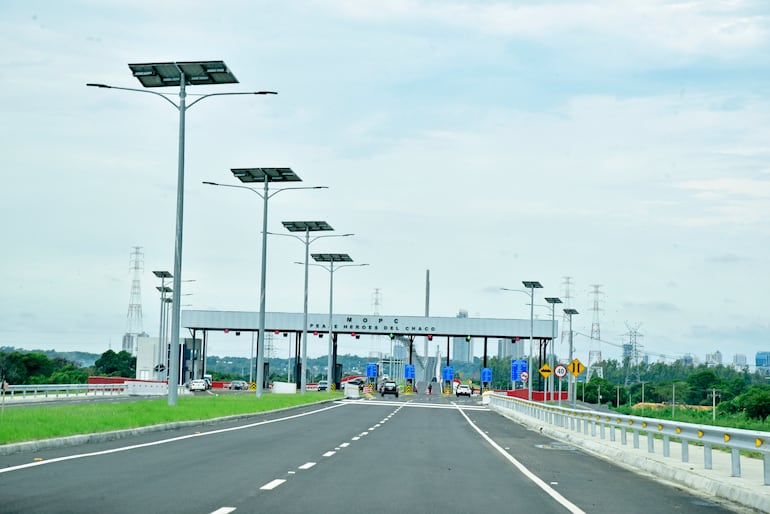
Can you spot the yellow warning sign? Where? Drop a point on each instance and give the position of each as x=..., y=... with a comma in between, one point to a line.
x=545, y=370
x=576, y=367
x=252, y=386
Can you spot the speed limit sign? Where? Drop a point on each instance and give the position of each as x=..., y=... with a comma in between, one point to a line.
x=560, y=370
x=524, y=376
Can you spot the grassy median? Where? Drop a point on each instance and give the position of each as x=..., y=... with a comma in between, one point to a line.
x=19, y=424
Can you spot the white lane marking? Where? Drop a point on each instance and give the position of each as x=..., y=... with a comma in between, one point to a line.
x=344, y=445
x=356, y=438
x=292, y=472
x=329, y=454
x=307, y=465
x=163, y=441
x=272, y=485
x=564, y=502
x=224, y=510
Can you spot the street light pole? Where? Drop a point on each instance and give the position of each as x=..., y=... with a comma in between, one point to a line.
x=571, y=384
x=552, y=301
x=307, y=227
x=531, y=285
x=331, y=258
x=179, y=74
x=265, y=175
x=162, y=275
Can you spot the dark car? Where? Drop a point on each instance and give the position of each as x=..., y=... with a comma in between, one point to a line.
x=389, y=387
x=238, y=384
x=360, y=382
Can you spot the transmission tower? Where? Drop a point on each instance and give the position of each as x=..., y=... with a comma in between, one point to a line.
x=567, y=297
x=631, y=352
x=134, y=317
x=595, y=346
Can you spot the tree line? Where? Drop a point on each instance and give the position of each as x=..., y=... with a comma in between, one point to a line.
x=19, y=367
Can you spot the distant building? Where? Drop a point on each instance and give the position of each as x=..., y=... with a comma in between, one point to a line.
x=510, y=348
x=714, y=359
x=762, y=360
x=462, y=349
x=740, y=361
x=688, y=359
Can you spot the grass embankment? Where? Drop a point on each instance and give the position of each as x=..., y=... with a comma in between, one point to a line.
x=19, y=424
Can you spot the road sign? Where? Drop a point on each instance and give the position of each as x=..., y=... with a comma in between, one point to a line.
x=517, y=366
x=486, y=374
x=524, y=376
x=448, y=373
x=576, y=367
x=545, y=370
x=560, y=370
x=371, y=370
x=409, y=371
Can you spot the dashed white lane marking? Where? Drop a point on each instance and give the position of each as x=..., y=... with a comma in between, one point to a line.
x=564, y=502
x=356, y=438
x=307, y=465
x=329, y=454
x=224, y=510
x=272, y=485
x=344, y=445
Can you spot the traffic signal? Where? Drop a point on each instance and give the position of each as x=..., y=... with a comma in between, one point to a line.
x=467, y=338
x=277, y=332
x=392, y=336
x=315, y=332
x=430, y=337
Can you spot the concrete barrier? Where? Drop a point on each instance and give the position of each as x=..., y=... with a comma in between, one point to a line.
x=284, y=387
x=144, y=388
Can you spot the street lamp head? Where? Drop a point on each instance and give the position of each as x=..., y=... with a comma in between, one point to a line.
x=105, y=86
x=571, y=311
x=209, y=183
x=532, y=284
x=552, y=300
x=266, y=92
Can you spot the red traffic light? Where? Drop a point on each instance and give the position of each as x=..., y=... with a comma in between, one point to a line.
x=227, y=330
x=352, y=334
x=430, y=337
x=315, y=332
x=277, y=332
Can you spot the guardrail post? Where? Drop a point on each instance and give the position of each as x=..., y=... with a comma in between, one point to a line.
x=707, y=455
x=666, y=445
x=601, y=430
x=624, y=437
x=685, y=450
x=736, y=458
x=612, y=433
x=766, y=458
x=650, y=442
x=593, y=428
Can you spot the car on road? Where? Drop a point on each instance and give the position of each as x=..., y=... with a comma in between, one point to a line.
x=389, y=387
x=198, y=385
x=463, y=390
x=323, y=385
x=238, y=385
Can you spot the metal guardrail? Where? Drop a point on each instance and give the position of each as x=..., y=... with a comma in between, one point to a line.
x=610, y=424
x=63, y=390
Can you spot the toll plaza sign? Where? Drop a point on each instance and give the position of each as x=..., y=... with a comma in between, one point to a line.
x=369, y=324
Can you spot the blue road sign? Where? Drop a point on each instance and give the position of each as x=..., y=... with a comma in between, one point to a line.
x=517, y=366
x=448, y=373
x=486, y=374
x=409, y=371
x=371, y=370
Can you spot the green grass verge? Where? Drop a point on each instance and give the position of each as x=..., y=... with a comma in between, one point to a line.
x=19, y=424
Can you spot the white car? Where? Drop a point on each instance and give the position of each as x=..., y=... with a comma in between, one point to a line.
x=464, y=390
x=198, y=385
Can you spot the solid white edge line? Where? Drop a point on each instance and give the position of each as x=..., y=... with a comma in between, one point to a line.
x=526, y=472
x=272, y=485
x=163, y=441
x=224, y=510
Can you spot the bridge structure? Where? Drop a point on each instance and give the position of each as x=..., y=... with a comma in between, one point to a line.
x=403, y=328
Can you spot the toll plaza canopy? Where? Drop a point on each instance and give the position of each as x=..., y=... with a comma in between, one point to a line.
x=370, y=324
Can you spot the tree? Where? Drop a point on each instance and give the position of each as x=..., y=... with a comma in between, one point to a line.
x=756, y=402
x=121, y=364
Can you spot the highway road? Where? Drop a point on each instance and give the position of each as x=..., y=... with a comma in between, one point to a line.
x=426, y=454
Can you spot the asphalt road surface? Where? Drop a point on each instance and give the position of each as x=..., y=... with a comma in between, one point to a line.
x=425, y=454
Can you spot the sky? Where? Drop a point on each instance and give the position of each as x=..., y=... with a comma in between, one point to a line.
x=618, y=143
